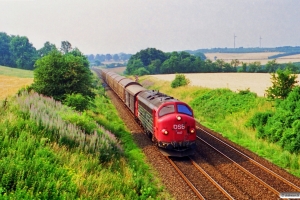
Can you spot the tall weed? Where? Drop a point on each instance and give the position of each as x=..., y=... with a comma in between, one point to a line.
x=60, y=124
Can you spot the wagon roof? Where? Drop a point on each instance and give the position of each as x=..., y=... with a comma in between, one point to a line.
x=118, y=78
x=114, y=75
x=126, y=81
x=134, y=89
x=110, y=73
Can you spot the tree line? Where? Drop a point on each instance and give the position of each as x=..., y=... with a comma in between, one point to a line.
x=18, y=52
x=96, y=60
x=153, y=61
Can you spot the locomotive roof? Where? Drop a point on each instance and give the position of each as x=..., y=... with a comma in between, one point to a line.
x=155, y=98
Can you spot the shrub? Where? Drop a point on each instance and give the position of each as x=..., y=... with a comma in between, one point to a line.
x=283, y=125
x=283, y=83
x=216, y=104
x=259, y=119
x=180, y=80
x=77, y=101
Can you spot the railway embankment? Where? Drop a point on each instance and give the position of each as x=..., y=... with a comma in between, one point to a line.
x=228, y=113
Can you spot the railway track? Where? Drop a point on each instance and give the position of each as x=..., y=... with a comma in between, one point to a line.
x=218, y=170
x=241, y=163
x=202, y=184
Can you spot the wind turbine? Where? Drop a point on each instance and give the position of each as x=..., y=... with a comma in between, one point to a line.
x=260, y=41
x=234, y=36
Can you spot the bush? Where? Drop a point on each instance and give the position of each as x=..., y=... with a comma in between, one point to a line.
x=283, y=125
x=259, y=119
x=216, y=104
x=180, y=80
x=58, y=74
x=77, y=101
x=141, y=71
x=283, y=83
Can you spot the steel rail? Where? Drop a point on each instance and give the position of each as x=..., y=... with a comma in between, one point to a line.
x=255, y=162
x=243, y=169
x=199, y=195
x=211, y=179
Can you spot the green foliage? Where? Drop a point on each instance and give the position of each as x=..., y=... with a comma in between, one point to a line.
x=5, y=54
x=180, y=80
x=272, y=66
x=23, y=53
x=66, y=47
x=42, y=154
x=46, y=49
x=200, y=55
x=283, y=82
x=77, y=101
x=58, y=75
x=283, y=125
x=259, y=119
x=216, y=104
x=60, y=124
x=141, y=72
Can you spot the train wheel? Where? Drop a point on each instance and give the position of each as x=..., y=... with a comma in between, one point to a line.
x=149, y=134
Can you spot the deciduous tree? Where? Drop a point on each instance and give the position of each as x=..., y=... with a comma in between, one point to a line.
x=58, y=75
x=23, y=53
x=66, y=47
x=283, y=82
x=47, y=48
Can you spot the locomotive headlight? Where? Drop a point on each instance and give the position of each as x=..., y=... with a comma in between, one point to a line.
x=192, y=130
x=178, y=118
x=164, y=131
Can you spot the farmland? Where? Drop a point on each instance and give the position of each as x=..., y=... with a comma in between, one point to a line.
x=12, y=79
x=252, y=57
x=255, y=82
x=9, y=85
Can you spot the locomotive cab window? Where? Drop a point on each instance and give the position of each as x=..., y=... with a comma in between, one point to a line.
x=166, y=110
x=184, y=109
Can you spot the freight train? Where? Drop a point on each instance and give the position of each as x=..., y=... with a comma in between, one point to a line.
x=167, y=121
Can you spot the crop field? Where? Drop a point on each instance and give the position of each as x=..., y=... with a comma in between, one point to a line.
x=256, y=82
x=8, y=71
x=9, y=85
x=252, y=57
x=12, y=79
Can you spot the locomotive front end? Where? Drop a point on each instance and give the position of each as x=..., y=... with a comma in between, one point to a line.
x=175, y=128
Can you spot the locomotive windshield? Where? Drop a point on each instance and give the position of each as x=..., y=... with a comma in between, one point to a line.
x=184, y=109
x=166, y=110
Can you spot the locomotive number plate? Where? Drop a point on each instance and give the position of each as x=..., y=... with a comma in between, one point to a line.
x=178, y=126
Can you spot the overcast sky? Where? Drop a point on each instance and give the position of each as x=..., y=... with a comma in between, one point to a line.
x=114, y=26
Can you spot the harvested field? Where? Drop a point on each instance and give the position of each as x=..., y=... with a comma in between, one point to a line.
x=118, y=70
x=252, y=57
x=9, y=85
x=256, y=82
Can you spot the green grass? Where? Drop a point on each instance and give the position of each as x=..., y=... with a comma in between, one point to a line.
x=35, y=163
x=8, y=71
x=228, y=112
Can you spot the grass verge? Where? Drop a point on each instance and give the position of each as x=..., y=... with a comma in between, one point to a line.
x=48, y=151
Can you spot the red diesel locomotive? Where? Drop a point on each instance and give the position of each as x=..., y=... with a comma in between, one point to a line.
x=169, y=122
